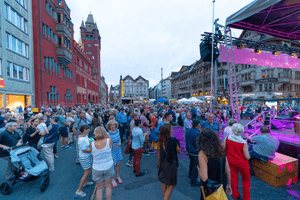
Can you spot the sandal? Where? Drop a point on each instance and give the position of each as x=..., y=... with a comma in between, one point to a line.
x=88, y=184
x=119, y=180
x=80, y=196
x=114, y=184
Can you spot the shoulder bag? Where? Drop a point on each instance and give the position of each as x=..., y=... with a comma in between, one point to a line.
x=213, y=190
x=44, y=138
x=128, y=149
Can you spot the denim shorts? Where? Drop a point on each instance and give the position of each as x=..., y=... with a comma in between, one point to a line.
x=64, y=132
x=99, y=176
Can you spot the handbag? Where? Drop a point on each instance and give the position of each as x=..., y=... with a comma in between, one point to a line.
x=214, y=190
x=128, y=149
x=153, y=135
x=43, y=139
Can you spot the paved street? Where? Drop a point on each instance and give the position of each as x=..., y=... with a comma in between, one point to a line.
x=64, y=182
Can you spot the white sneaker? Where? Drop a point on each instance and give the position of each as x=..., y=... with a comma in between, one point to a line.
x=129, y=164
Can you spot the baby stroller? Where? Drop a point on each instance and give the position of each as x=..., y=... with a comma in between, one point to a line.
x=30, y=166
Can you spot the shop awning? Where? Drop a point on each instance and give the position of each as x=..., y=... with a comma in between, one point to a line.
x=279, y=18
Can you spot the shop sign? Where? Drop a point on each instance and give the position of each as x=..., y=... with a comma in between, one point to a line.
x=2, y=84
x=265, y=80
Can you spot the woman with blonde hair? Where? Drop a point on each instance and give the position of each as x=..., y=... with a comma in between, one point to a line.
x=85, y=159
x=102, y=167
x=116, y=151
x=238, y=156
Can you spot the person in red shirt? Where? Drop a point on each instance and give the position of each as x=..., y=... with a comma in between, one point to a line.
x=238, y=156
x=241, y=111
x=154, y=120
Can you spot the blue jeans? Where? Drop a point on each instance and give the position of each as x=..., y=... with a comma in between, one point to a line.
x=193, y=171
x=254, y=155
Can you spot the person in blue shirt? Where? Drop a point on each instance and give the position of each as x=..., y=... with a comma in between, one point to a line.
x=122, y=123
x=63, y=130
x=194, y=112
x=211, y=123
x=21, y=111
x=173, y=114
x=191, y=147
x=2, y=123
x=129, y=118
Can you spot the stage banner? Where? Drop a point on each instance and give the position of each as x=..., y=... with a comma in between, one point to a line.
x=265, y=58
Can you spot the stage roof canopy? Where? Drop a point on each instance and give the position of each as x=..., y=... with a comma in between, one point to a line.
x=279, y=18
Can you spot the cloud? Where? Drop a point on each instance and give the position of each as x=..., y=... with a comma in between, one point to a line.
x=140, y=37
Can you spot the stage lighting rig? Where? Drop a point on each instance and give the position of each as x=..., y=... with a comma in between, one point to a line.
x=295, y=55
x=276, y=53
x=257, y=46
x=241, y=46
x=258, y=51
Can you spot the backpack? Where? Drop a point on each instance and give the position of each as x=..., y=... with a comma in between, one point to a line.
x=180, y=121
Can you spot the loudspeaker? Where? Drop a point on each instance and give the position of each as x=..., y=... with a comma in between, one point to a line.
x=292, y=113
x=267, y=120
x=276, y=124
x=273, y=126
x=206, y=51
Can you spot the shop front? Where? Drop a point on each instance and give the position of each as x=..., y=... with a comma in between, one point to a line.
x=15, y=100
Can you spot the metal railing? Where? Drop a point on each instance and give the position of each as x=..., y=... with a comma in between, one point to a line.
x=261, y=116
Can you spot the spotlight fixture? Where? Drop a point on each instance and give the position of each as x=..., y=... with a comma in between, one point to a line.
x=293, y=55
x=258, y=51
x=276, y=53
x=241, y=46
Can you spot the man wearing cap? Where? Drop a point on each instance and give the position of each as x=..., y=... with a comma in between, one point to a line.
x=191, y=147
x=122, y=123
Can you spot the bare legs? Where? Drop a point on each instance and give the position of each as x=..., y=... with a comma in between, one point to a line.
x=157, y=153
x=83, y=180
x=167, y=191
x=108, y=190
x=117, y=168
x=64, y=141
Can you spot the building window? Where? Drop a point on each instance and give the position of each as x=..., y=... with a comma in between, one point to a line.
x=16, y=45
x=91, y=37
x=89, y=45
x=23, y=3
x=87, y=37
x=15, y=18
x=53, y=96
x=89, y=52
x=297, y=75
x=15, y=71
x=68, y=96
x=8, y=69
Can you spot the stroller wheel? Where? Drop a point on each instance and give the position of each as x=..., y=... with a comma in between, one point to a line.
x=45, y=183
x=6, y=188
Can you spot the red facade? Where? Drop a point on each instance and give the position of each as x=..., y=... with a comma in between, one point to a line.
x=87, y=86
x=53, y=53
x=91, y=43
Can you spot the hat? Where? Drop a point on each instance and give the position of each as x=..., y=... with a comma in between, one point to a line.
x=122, y=109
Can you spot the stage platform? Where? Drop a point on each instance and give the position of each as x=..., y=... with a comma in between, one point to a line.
x=289, y=141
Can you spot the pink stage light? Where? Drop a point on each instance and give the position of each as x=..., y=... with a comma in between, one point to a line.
x=248, y=56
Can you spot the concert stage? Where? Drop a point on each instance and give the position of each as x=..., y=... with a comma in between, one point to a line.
x=289, y=141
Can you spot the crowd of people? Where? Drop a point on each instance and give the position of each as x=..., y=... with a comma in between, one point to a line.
x=99, y=131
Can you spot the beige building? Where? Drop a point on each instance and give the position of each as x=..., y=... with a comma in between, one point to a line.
x=136, y=89
x=253, y=82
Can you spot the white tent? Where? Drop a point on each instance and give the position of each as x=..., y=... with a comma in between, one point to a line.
x=195, y=100
x=183, y=100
